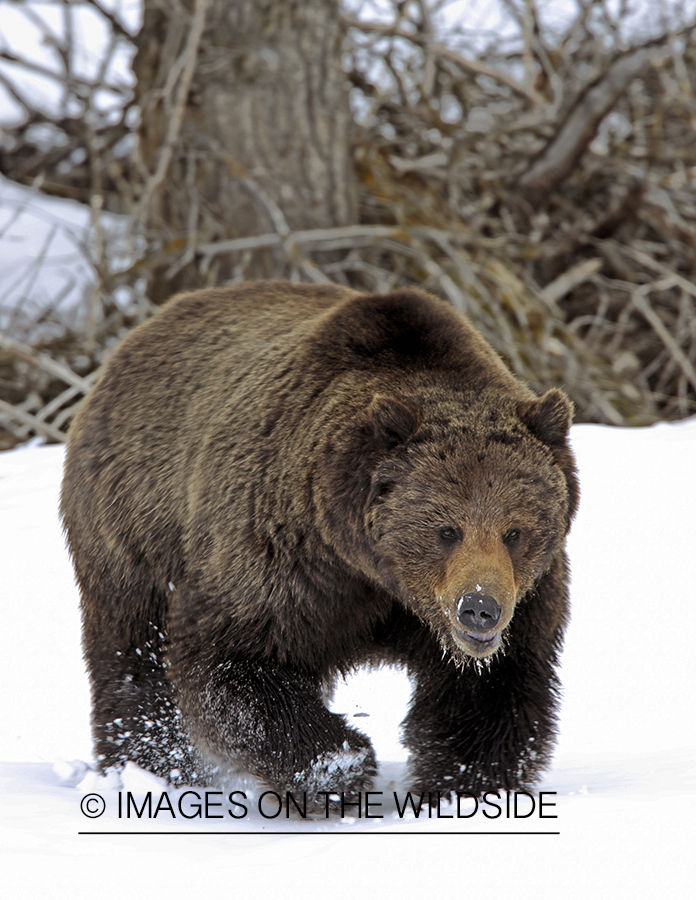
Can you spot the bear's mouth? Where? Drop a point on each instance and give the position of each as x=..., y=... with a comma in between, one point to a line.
x=480, y=643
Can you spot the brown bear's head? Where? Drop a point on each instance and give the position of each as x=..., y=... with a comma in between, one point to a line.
x=468, y=503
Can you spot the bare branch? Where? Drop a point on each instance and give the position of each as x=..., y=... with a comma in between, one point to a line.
x=565, y=283
x=44, y=429
x=188, y=61
x=564, y=150
x=640, y=301
x=444, y=52
x=45, y=362
x=115, y=23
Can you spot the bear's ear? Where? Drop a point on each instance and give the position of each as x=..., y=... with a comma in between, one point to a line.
x=393, y=419
x=549, y=417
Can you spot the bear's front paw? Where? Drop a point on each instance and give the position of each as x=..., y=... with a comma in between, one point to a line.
x=346, y=770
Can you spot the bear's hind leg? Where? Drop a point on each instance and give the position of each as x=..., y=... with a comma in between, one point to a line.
x=134, y=713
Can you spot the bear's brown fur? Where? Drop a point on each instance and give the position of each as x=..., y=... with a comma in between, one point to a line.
x=273, y=483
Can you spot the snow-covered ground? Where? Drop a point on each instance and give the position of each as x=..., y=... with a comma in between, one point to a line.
x=623, y=774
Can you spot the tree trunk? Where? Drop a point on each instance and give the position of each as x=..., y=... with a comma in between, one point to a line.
x=245, y=129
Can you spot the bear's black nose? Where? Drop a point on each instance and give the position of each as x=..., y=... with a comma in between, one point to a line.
x=478, y=612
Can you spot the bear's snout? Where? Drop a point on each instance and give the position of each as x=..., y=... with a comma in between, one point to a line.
x=478, y=612
x=479, y=593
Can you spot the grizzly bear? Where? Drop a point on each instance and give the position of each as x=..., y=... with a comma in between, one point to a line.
x=274, y=483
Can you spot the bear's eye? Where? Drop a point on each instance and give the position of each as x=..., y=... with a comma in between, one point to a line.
x=450, y=534
x=511, y=536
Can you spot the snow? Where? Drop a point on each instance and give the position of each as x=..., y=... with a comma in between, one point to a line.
x=615, y=806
